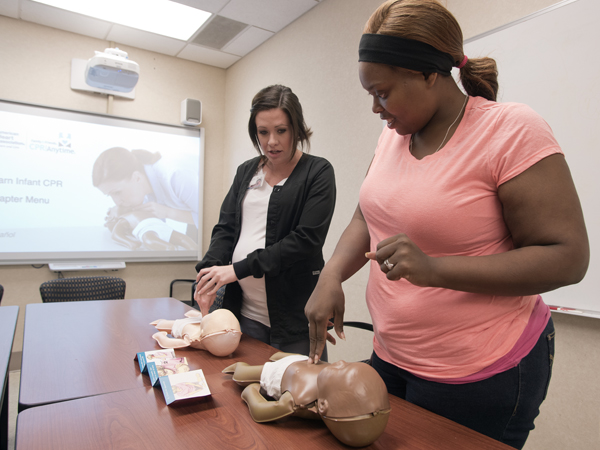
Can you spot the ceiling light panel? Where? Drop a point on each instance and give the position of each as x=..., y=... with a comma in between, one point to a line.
x=143, y=39
x=156, y=16
x=64, y=20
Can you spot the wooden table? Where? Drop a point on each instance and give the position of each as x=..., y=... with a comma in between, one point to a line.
x=78, y=349
x=8, y=324
x=137, y=417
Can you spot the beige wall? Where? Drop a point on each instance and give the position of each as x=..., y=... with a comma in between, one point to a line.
x=317, y=57
x=36, y=68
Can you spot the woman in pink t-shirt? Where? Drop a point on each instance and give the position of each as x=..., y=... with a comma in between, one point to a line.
x=468, y=213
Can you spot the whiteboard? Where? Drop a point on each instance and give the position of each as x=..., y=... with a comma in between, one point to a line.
x=549, y=61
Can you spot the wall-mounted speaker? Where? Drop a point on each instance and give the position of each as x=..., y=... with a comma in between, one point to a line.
x=191, y=112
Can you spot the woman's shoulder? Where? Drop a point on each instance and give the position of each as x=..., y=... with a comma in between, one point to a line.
x=315, y=161
x=250, y=164
x=517, y=113
x=502, y=121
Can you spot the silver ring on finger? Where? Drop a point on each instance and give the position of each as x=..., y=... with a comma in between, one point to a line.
x=388, y=264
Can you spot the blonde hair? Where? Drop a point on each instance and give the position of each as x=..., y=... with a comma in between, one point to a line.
x=430, y=22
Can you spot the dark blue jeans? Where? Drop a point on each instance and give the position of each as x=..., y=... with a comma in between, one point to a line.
x=502, y=407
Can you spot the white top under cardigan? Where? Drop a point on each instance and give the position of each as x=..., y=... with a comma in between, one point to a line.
x=252, y=237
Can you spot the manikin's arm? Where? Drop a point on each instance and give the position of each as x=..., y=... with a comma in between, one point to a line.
x=163, y=325
x=166, y=342
x=167, y=325
x=244, y=374
x=263, y=410
x=280, y=355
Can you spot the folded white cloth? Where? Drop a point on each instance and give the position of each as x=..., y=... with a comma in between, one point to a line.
x=177, y=329
x=272, y=373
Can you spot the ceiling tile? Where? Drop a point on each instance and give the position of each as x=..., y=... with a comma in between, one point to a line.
x=218, y=32
x=264, y=18
x=247, y=41
x=208, y=56
x=272, y=15
x=64, y=20
x=121, y=34
x=9, y=8
x=212, y=6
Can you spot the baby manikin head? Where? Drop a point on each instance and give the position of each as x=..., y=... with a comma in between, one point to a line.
x=353, y=402
x=220, y=332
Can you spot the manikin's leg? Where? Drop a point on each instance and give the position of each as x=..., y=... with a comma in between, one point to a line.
x=263, y=410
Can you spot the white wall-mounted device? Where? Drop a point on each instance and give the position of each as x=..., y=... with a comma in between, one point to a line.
x=108, y=72
x=112, y=70
x=191, y=112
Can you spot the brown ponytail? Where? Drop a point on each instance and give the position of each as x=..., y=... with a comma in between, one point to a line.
x=479, y=76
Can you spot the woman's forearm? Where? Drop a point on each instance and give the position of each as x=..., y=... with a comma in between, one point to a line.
x=525, y=271
x=349, y=255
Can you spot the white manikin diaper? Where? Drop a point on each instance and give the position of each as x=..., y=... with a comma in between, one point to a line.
x=272, y=373
x=177, y=329
x=162, y=229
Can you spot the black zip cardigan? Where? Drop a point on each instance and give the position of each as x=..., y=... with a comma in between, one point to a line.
x=298, y=218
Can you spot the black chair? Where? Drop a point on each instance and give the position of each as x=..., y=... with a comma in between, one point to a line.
x=1, y=292
x=82, y=288
x=363, y=326
x=178, y=280
x=184, y=280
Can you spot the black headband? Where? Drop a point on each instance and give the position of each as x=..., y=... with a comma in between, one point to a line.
x=405, y=53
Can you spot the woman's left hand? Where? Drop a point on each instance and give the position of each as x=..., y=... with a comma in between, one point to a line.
x=210, y=279
x=399, y=257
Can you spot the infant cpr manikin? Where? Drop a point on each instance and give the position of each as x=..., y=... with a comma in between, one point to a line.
x=351, y=398
x=218, y=332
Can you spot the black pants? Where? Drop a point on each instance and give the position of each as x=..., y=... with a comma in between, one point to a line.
x=262, y=332
x=502, y=407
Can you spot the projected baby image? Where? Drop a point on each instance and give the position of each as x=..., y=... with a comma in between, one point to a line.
x=156, y=199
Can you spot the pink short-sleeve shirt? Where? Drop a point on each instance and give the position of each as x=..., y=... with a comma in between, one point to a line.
x=447, y=203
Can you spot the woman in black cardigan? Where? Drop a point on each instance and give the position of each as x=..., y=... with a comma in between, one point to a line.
x=267, y=246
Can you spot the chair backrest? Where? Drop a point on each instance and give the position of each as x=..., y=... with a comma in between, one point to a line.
x=363, y=326
x=1, y=292
x=82, y=288
x=218, y=304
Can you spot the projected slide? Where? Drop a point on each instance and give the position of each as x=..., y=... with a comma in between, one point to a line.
x=78, y=186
